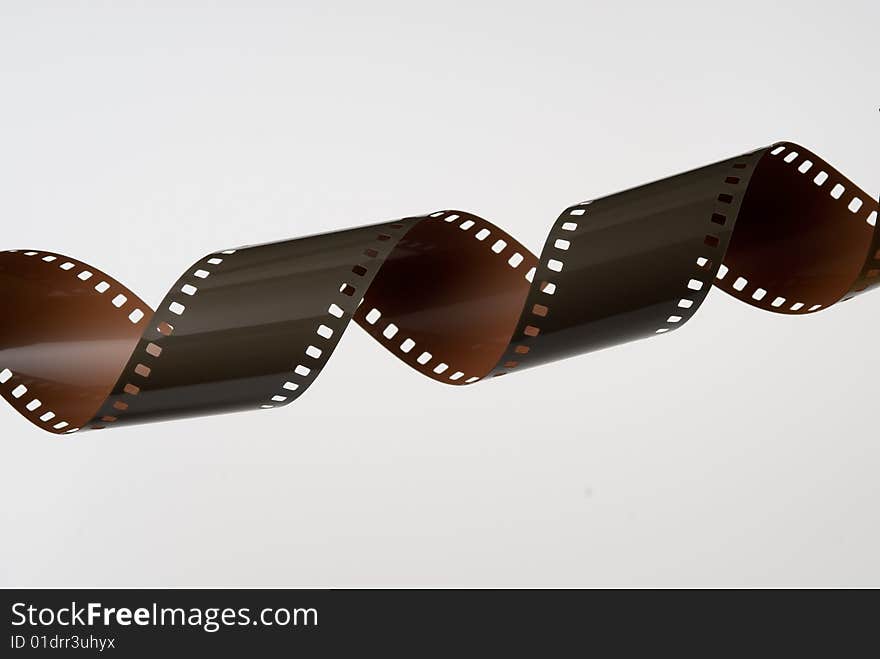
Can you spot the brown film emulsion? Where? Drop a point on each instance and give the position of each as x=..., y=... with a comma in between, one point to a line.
x=450, y=294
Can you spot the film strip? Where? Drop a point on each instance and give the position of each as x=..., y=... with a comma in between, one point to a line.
x=450, y=294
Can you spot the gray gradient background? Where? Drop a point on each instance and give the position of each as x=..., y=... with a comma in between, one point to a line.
x=741, y=450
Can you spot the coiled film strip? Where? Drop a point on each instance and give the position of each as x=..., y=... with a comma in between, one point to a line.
x=452, y=295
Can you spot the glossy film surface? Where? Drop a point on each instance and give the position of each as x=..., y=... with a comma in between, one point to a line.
x=452, y=295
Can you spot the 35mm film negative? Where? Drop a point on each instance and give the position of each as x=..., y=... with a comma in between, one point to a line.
x=452, y=295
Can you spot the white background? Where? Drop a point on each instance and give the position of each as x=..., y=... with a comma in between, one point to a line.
x=742, y=450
